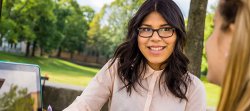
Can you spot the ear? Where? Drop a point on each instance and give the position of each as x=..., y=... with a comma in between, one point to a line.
x=232, y=28
x=228, y=38
x=229, y=33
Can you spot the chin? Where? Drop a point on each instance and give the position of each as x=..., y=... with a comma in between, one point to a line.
x=155, y=61
x=155, y=64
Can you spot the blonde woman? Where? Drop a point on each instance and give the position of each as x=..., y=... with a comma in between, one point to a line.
x=228, y=54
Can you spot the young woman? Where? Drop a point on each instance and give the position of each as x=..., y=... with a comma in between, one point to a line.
x=149, y=70
x=228, y=54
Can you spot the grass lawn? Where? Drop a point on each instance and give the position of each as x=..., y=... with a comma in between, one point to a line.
x=69, y=73
x=57, y=70
x=212, y=92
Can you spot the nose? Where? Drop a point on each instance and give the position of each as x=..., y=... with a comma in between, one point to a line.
x=155, y=36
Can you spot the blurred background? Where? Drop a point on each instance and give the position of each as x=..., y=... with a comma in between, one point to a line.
x=72, y=39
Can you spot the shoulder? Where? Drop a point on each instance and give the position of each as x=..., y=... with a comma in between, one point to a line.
x=196, y=86
x=195, y=81
x=109, y=69
x=196, y=94
x=106, y=75
x=110, y=65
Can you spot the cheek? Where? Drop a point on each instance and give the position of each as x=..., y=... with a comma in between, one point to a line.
x=140, y=42
x=171, y=42
x=142, y=45
x=212, y=45
x=215, y=59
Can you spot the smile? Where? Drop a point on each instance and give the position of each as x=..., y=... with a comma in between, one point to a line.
x=156, y=48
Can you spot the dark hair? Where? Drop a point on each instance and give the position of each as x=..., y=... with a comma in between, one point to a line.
x=130, y=59
x=228, y=10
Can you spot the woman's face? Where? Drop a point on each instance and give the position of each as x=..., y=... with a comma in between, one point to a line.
x=217, y=50
x=156, y=49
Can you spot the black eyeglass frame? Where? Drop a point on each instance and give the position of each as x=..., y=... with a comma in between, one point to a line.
x=157, y=30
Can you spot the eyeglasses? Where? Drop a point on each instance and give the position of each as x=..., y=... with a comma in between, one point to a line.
x=162, y=32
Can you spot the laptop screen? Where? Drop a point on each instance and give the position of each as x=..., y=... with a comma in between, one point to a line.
x=20, y=87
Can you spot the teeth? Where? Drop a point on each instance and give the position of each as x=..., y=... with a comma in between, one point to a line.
x=156, y=48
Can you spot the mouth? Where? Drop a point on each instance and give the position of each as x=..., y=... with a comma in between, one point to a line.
x=156, y=48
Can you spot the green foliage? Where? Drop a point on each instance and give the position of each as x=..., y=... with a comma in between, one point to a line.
x=212, y=92
x=73, y=23
x=47, y=24
x=10, y=35
x=88, y=13
x=16, y=100
x=63, y=24
x=109, y=27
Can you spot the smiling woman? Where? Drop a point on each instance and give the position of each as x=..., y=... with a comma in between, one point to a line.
x=161, y=44
x=148, y=71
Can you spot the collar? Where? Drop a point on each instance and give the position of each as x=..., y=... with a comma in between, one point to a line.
x=149, y=71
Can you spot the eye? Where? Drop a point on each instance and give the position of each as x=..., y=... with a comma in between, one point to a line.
x=165, y=29
x=145, y=29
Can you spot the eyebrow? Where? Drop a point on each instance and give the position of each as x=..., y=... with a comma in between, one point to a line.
x=151, y=25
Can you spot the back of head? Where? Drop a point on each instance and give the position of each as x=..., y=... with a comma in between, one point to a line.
x=236, y=85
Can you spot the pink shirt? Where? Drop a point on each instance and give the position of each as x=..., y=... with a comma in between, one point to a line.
x=106, y=86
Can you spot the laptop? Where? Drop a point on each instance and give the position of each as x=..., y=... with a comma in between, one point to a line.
x=22, y=80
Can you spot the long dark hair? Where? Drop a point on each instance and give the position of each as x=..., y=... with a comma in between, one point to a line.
x=131, y=60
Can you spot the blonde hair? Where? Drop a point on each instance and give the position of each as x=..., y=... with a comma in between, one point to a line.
x=235, y=94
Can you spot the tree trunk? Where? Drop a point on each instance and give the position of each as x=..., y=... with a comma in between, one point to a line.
x=33, y=49
x=71, y=55
x=41, y=51
x=107, y=58
x=195, y=35
x=1, y=2
x=97, y=57
x=58, y=55
x=11, y=45
x=1, y=37
x=27, y=49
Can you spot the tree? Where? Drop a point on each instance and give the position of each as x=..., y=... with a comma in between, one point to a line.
x=61, y=13
x=8, y=26
x=95, y=38
x=195, y=34
x=1, y=1
x=46, y=24
x=41, y=11
x=74, y=25
x=108, y=28
x=17, y=24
